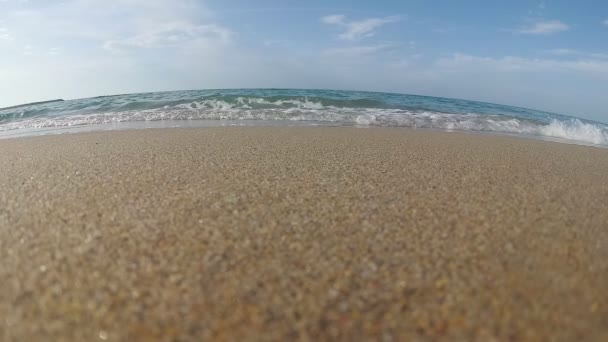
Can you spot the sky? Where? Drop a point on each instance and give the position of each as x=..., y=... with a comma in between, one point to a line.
x=543, y=54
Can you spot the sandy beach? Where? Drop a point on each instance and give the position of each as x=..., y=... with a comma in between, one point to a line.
x=257, y=233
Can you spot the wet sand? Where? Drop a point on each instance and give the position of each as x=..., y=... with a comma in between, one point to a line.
x=301, y=233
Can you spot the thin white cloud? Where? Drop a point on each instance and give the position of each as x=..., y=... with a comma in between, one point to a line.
x=183, y=34
x=357, y=51
x=354, y=30
x=605, y=22
x=538, y=10
x=172, y=35
x=282, y=43
x=544, y=28
x=510, y=63
x=334, y=19
x=132, y=22
x=563, y=52
x=571, y=52
x=54, y=51
x=5, y=35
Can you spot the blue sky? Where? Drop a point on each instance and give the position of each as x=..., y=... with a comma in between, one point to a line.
x=550, y=55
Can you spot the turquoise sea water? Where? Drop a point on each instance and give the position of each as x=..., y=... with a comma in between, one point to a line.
x=291, y=107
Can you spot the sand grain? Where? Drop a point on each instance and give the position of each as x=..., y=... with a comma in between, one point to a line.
x=309, y=233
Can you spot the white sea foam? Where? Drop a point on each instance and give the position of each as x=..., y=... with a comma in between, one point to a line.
x=365, y=119
x=575, y=129
x=253, y=102
x=309, y=111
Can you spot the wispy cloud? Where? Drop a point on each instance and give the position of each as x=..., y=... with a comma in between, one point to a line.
x=75, y=40
x=563, y=52
x=167, y=24
x=544, y=28
x=354, y=30
x=538, y=10
x=357, y=51
x=172, y=35
x=133, y=23
x=277, y=43
x=5, y=35
x=510, y=64
x=605, y=22
x=571, y=52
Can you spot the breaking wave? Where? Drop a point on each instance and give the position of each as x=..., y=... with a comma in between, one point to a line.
x=315, y=107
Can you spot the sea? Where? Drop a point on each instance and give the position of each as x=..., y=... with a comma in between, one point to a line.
x=294, y=107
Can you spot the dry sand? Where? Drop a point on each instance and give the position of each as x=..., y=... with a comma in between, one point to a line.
x=301, y=233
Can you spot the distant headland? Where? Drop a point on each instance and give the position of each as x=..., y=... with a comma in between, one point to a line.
x=32, y=103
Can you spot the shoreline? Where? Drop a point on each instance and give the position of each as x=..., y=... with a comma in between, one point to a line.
x=198, y=124
x=301, y=233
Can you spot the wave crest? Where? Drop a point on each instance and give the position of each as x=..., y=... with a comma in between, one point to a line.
x=575, y=129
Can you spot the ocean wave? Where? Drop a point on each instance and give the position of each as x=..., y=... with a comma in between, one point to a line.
x=575, y=129
x=279, y=102
x=309, y=110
